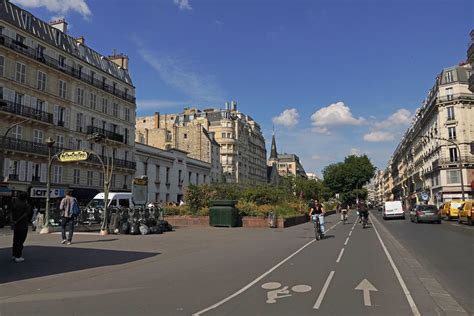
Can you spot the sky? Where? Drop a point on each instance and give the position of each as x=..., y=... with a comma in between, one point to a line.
x=330, y=77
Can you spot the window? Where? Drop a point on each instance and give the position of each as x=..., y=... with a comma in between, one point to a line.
x=125, y=181
x=40, y=51
x=229, y=135
x=453, y=154
x=204, y=178
x=20, y=41
x=61, y=116
x=19, y=98
x=180, y=173
x=450, y=110
x=60, y=141
x=80, y=96
x=452, y=133
x=185, y=136
x=115, y=109
x=93, y=101
x=223, y=135
x=58, y=174
x=17, y=131
x=1, y=93
x=453, y=176
x=79, y=119
x=167, y=175
x=79, y=71
x=127, y=114
x=104, y=105
x=145, y=168
x=90, y=176
x=189, y=177
x=101, y=178
x=20, y=72
x=37, y=136
x=36, y=172
x=2, y=65
x=125, y=137
x=125, y=155
x=449, y=94
x=157, y=176
x=14, y=169
x=124, y=202
x=62, y=61
x=114, y=87
x=77, y=176
x=41, y=81
x=92, y=76
x=62, y=89
x=104, y=82
x=114, y=184
x=449, y=76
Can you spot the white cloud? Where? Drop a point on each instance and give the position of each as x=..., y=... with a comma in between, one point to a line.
x=288, y=118
x=58, y=6
x=154, y=105
x=333, y=115
x=175, y=72
x=379, y=136
x=315, y=157
x=355, y=151
x=183, y=4
x=400, y=117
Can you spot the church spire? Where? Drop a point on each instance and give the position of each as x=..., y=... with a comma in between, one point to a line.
x=273, y=154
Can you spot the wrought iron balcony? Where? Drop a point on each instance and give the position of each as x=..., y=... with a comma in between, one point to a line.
x=108, y=134
x=10, y=143
x=26, y=111
x=465, y=160
x=458, y=96
x=118, y=163
x=54, y=63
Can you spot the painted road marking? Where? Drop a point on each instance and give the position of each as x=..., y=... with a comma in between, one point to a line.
x=340, y=255
x=411, y=302
x=347, y=240
x=245, y=288
x=323, y=291
x=366, y=287
x=350, y=233
x=277, y=293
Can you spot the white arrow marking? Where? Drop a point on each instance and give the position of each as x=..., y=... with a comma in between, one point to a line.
x=366, y=286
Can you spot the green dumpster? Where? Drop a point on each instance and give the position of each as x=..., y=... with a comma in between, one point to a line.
x=223, y=213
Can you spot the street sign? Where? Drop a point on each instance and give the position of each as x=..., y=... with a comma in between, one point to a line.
x=40, y=192
x=425, y=196
x=69, y=156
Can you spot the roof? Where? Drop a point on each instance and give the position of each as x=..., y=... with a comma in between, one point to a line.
x=273, y=154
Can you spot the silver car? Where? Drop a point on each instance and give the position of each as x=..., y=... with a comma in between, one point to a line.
x=425, y=213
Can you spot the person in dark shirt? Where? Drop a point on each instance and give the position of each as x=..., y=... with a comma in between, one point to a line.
x=21, y=213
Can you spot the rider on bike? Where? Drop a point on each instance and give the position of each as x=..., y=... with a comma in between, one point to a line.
x=316, y=208
x=344, y=207
x=363, y=211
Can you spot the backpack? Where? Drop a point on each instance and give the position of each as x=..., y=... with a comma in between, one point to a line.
x=75, y=208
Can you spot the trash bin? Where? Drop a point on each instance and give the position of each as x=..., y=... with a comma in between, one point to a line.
x=223, y=213
x=272, y=220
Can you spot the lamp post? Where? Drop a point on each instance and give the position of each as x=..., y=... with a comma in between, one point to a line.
x=459, y=157
x=4, y=137
x=46, y=229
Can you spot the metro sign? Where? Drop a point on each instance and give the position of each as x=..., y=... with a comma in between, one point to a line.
x=68, y=156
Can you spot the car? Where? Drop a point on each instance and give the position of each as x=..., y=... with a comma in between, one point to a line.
x=425, y=213
x=466, y=212
x=451, y=209
x=393, y=209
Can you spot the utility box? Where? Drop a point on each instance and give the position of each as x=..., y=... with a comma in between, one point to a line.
x=223, y=213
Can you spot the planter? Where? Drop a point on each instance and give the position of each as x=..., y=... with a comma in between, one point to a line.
x=188, y=220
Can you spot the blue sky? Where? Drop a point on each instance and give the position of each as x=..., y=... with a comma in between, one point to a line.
x=334, y=77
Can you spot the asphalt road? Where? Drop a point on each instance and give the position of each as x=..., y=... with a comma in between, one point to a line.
x=222, y=271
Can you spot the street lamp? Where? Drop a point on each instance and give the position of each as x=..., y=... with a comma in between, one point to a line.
x=107, y=168
x=46, y=229
x=459, y=157
x=4, y=137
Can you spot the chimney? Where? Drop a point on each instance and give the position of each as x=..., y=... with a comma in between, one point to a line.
x=59, y=24
x=233, y=106
x=81, y=40
x=157, y=120
x=120, y=59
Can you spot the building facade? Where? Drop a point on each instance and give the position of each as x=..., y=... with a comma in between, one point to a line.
x=241, y=146
x=286, y=164
x=54, y=87
x=470, y=59
x=169, y=172
x=425, y=167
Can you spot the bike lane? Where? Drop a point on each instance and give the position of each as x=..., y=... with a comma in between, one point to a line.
x=322, y=279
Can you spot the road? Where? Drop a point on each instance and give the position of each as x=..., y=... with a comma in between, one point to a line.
x=221, y=271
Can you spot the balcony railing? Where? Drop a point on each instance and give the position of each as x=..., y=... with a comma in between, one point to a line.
x=449, y=161
x=118, y=163
x=108, y=134
x=10, y=143
x=458, y=96
x=54, y=63
x=471, y=82
x=26, y=111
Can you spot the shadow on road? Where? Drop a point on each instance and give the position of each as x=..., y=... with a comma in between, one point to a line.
x=43, y=261
x=94, y=241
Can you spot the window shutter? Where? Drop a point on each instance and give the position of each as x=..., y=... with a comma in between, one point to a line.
x=6, y=168
x=29, y=171
x=33, y=102
x=55, y=115
x=22, y=170
x=26, y=100
x=85, y=121
x=44, y=169
x=67, y=119
x=46, y=107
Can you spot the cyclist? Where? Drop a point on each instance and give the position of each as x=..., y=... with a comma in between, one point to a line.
x=344, y=210
x=363, y=212
x=316, y=208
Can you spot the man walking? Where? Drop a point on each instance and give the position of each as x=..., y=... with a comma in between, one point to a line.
x=67, y=217
x=21, y=213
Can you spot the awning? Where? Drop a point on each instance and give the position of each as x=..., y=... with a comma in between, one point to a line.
x=5, y=191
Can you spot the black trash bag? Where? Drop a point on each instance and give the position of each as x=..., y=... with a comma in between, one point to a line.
x=125, y=228
x=114, y=222
x=135, y=229
x=144, y=230
x=156, y=230
x=166, y=226
x=169, y=227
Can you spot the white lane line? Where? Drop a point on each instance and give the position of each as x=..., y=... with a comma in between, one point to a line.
x=411, y=302
x=323, y=291
x=340, y=255
x=350, y=233
x=245, y=288
x=347, y=240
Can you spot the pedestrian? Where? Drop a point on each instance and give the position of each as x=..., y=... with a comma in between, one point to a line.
x=20, y=215
x=34, y=219
x=67, y=216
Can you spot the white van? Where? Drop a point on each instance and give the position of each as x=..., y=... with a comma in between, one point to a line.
x=393, y=209
x=116, y=199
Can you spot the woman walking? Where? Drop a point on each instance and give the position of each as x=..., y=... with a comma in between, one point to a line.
x=21, y=213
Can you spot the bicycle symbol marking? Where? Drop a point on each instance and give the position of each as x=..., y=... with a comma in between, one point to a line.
x=276, y=292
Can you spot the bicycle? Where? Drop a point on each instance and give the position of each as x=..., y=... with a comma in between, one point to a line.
x=317, y=227
x=365, y=221
x=344, y=217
